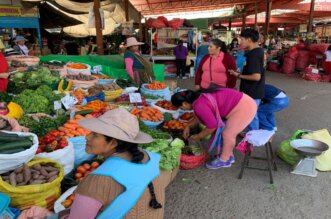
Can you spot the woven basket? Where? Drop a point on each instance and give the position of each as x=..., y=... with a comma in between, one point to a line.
x=189, y=162
x=113, y=94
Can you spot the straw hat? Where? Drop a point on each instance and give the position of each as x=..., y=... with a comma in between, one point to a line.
x=118, y=124
x=20, y=38
x=132, y=41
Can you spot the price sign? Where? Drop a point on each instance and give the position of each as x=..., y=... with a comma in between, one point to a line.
x=57, y=105
x=135, y=98
x=68, y=101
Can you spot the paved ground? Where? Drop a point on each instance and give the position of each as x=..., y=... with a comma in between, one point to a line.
x=209, y=194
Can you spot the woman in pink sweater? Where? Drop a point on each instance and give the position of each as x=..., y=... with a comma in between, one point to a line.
x=211, y=107
x=213, y=68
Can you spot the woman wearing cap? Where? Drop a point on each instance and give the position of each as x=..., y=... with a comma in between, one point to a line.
x=20, y=46
x=211, y=107
x=123, y=186
x=138, y=68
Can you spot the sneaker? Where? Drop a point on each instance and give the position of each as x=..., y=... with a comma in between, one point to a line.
x=218, y=163
x=231, y=159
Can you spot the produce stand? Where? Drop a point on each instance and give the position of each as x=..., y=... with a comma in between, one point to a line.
x=36, y=167
x=112, y=65
x=162, y=48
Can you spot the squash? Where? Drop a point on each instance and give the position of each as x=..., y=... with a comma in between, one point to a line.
x=15, y=110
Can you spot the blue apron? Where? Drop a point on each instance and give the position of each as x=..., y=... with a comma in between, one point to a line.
x=133, y=177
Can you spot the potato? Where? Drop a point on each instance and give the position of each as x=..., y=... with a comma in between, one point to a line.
x=12, y=179
x=35, y=176
x=52, y=178
x=19, y=169
x=38, y=181
x=40, y=177
x=53, y=173
x=43, y=171
x=19, y=178
x=26, y=173
x=36, y=166
x=50, y=168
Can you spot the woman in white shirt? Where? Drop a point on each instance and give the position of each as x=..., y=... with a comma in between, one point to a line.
x=20, y=46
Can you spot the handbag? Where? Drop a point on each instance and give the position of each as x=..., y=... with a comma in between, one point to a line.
x=212, y=85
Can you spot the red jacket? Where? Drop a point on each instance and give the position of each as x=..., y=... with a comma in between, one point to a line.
x=228, y=62
x=3, y=69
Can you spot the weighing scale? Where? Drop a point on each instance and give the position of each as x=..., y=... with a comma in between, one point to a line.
x=308, y=149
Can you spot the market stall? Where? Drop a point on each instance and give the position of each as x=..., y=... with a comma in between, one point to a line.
x=42, y=148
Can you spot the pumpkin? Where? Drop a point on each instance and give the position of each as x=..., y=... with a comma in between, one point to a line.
x=15, y=110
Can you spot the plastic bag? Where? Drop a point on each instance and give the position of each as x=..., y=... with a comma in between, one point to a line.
x=10, y=162
x=302, y=61
x=288, y=65
x=57, y=205
x=42, y=195
x=285, y=150
x=65, y=157
x=79, y=144
x=35, y=212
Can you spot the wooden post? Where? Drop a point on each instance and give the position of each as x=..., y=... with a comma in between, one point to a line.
x=267, y=17
x=126, y=9
x=98, y=27
x=243, y=21
x=140, y=27
x=311, y=17
x=230, y=23
x=255, y=8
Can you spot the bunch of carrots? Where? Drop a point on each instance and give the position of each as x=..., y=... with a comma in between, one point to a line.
x=79, y=95
x=72, y=129
x=156, y=86
x=147, y=114
x=95, y=105
x=77, y=66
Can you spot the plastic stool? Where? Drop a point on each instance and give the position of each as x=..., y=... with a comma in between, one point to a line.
x=259, y=138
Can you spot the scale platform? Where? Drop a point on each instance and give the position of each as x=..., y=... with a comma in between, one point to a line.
x=308, y=149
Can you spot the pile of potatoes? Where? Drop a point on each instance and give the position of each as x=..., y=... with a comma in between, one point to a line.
x=36, y=174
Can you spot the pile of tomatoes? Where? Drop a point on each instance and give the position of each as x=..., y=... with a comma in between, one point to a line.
x=84, y=169
x=52, y=141
x=68, y=202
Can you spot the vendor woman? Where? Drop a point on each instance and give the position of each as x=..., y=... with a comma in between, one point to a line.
x=3, y=73
x=211, y=107
x=138, y=68
x=125, y=185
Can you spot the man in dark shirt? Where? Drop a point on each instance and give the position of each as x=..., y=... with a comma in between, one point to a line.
x=253, y=75
x=72, y=48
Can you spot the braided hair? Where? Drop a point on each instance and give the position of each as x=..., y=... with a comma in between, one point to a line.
x=137, y=157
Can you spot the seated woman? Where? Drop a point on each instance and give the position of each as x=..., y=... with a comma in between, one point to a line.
x=3, y=73
x=123, y=186
x=274, y=100
x=213, y=68
x=211, y=107
x=138, y=68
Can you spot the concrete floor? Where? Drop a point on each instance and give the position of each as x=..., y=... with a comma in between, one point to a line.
x=215, y=194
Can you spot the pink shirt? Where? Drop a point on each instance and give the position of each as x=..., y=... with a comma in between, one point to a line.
x=226, y=99
x=218, y=72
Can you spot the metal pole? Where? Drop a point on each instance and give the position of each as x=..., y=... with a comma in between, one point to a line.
x=255, y=24
x=230, y=23
x=126, y=8
x=98, y=28
x=267, y=17
x=311, y=16
x=243, y=21
x=140, y=27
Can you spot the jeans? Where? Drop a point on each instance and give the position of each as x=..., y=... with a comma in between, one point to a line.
x=181, y=67
x=266, y=112
x=254, y=125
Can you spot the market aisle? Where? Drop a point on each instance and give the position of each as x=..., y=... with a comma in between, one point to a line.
x=208, y=194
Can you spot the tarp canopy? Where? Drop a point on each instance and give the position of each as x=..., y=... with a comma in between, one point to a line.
x=114, y=15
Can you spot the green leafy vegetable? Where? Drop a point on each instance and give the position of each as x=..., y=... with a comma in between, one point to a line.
x=4, y=97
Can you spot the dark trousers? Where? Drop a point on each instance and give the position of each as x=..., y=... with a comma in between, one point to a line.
x=181, y=67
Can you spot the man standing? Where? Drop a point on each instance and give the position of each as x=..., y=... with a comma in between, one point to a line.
x=253, y=75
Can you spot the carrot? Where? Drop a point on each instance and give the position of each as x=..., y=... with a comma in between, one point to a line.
x=62, y=129
x=70, y=135
x=72, y=121
x=89, y=116
x=79, y=117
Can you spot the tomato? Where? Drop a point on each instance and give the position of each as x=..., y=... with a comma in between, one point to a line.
x=87, y=166
x=71, y=197
x=81, y=169
x=39, y=150
x=94, y=164
x=62, y=143
x=48, y=139
x=67, y=203
x=78, y=175
x=87, y=172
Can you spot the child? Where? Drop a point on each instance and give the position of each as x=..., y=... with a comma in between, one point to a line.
x=253, y=75
x=327, y=65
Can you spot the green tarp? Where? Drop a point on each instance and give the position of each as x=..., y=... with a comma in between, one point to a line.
x=112, y=65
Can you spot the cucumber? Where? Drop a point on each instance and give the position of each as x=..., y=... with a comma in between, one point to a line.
x=8, y=134
x=14, y=138
x=12, y=151
x=12, y=145
x=84, y=112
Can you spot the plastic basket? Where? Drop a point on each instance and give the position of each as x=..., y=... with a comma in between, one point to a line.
x=106, y=81
x=112, y=95
x=152, y=125
x=189, y=162
x=5, y=212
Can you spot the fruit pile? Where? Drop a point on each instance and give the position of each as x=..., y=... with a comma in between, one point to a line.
x=72, y=129
x=84, y=169
x=147, y=114
x=156, y=86
x=186, y=116
x=69, y=200
x=165, y=104
x=52, y=141
x=174, y=125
